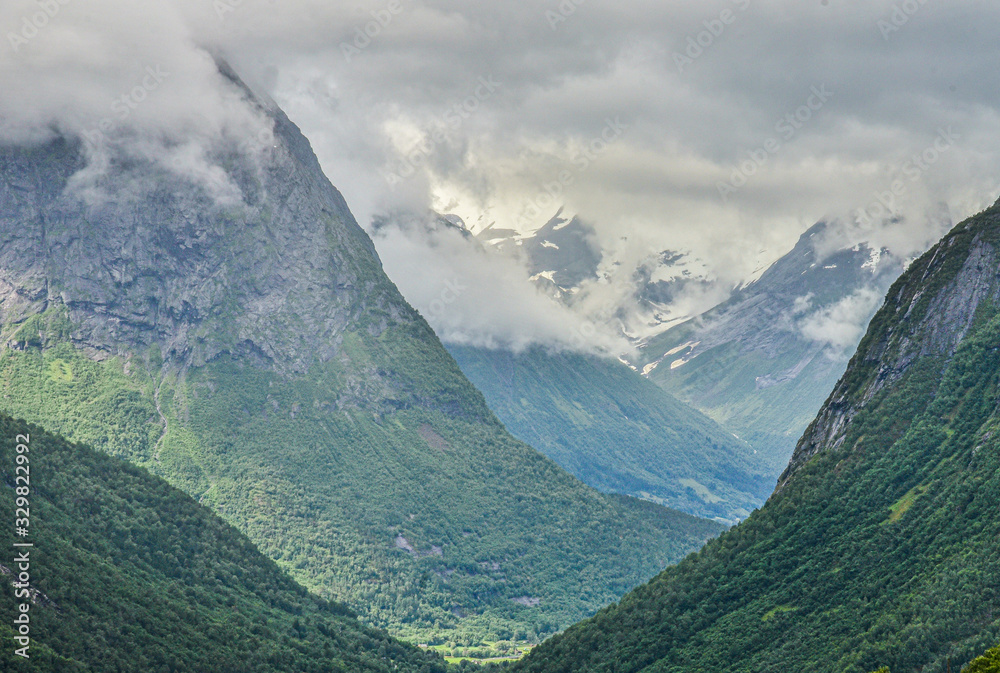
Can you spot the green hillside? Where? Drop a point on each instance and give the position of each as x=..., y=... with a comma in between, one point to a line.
x=881, y=546
x=253, y=353
x=421, y=521
x=130, y=574
x=617, y=431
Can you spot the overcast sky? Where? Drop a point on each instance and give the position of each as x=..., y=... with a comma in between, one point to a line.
x=724, y=128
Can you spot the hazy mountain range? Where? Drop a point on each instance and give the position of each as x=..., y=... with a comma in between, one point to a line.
x=759, y=364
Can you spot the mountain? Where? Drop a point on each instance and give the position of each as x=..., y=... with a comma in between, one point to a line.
x=239, y=338
x=880, y=545
x=618, y=432
x=129, y=574
x=564, y=258
x=560, y=255
x=762, y=362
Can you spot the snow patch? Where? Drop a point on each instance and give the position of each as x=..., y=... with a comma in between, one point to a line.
x=628, y=364
x=547, y=275
x=680, y=363
x=674, y=351
x=873, y=261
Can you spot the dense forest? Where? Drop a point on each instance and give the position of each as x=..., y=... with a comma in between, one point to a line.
x=362, y=507
x=129, y=574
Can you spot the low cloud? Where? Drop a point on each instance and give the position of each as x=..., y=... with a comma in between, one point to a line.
x=474, y=296
x=839, y=327
x=129, y=79
x=911, y=124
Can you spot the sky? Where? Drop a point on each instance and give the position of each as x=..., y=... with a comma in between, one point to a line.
x=722, y=128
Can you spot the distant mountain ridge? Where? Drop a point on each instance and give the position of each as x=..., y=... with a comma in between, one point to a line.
x=564, y=258
x=762, y=362
x=593, y=415
x=760, y=365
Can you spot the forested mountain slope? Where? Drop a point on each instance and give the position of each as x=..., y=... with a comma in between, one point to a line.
x=239, y=338
x=129, y=574
x=881, y=546
x=618, y=432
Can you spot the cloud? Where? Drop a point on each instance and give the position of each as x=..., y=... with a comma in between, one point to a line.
x=126, y=78
x=409, y=65
x=839, y=327
x=687, y=131
x=472, y=296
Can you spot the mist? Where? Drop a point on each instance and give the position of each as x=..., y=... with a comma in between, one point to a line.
x=505, y=112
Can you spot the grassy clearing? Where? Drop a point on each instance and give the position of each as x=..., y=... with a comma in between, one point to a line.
x=903, y=505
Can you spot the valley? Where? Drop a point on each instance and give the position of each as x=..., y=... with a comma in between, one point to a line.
x=618, y=432
x=484, y=337
x=257, y=358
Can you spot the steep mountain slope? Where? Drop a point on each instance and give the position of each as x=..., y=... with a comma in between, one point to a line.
x=762, y=363
x=129, y=574
x=240, y=339
x=618, y=432
x=880, y=546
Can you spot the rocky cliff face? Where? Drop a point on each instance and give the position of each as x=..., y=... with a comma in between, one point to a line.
x=162, y=260
x=926, y=314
